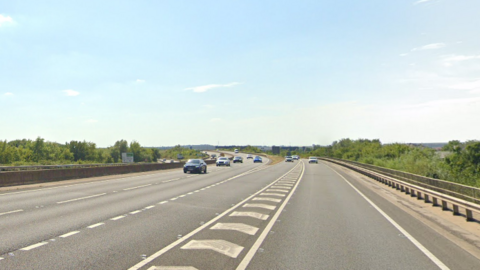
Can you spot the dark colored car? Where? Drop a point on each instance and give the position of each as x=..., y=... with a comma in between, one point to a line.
x=237, y=159
x=257, y=159
x=195, y=165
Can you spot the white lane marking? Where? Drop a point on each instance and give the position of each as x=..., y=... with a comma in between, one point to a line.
x=34, y=246
x=117, y=218
x=175, y=179
x=260, y=205
x=190, y=193
x=136, y=187
x=181, y=196
x=241, y=227
x=249, y=214
x=135, y=212
x=266, y=199
x=172, y=268
x=163, y=202
x=11, y=212
x=414, y=241
x=150, y=207
x=83, y=198
x=281, y=186
x=249, y=256
x=277, y=190
x=221, y=246
x=69, y=234
x=190, y=234
x=1, y=258
x=96, y=225
x=173, y=199
x=197, y=191
x=272, y=194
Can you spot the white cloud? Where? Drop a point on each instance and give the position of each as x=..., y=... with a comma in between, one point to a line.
x=205, y=88
x=91, y=121
x=140, y=81
x=215, y=120
x=421, y=1
x=71, y=93
x=8, y=94
x=473, y=86
x=6, y=20
x=450, y=59
x=432, y=46
x=404, y=54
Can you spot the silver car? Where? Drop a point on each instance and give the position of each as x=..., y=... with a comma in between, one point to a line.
x=223, y=161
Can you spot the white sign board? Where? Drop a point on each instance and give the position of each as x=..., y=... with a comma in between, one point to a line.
x=127, y=157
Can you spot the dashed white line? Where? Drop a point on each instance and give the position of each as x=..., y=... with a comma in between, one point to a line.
x=181, y=196
x=173, y=199
x=96, y=225
x=34, y=246
x=136, y=187
x=190, y=193
x=69, y=234
x=163, y=202
x=117, y=218
x=11, y=212
x=135, y=212
x=150, y=207
x=83, y=198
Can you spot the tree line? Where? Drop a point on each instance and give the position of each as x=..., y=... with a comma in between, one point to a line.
x=457, y=162
x=41, y=152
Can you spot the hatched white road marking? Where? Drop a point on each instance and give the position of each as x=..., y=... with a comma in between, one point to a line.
x=96, y=225
x=241, y=227
x=117, y=218
x=69, y=234
x=83, y=198
x=277, y=190
x=281, y=186
x=272, y=194
x=137, y=187
x=34, y=246
x=11, y=212
x=249, y=214
x=221, y=246
x=172, y=268
x=260, y=205
x=266, y=199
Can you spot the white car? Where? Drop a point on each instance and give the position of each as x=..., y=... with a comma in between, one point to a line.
x=313, y=160
x=223, y=161
x=288, y=159
x=249, y=156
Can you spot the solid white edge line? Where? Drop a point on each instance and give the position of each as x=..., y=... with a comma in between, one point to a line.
x=207, y=224
x=414, y=241
x=251, y=253
x=83, y=198
x=69, y=234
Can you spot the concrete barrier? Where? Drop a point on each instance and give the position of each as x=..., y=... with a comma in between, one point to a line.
x=45, y=176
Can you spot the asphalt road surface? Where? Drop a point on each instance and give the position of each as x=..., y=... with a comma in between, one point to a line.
x=247, y=216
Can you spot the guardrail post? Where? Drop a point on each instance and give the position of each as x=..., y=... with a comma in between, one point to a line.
x=425, y=198
x=444, y=205
x=412, y=193
x=434, y=201
x=456, y=212
x=469, y=215
x=419, y=195
x=407, y=190
x=402, y=188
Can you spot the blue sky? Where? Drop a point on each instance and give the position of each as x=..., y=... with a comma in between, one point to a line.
x=240, y=72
